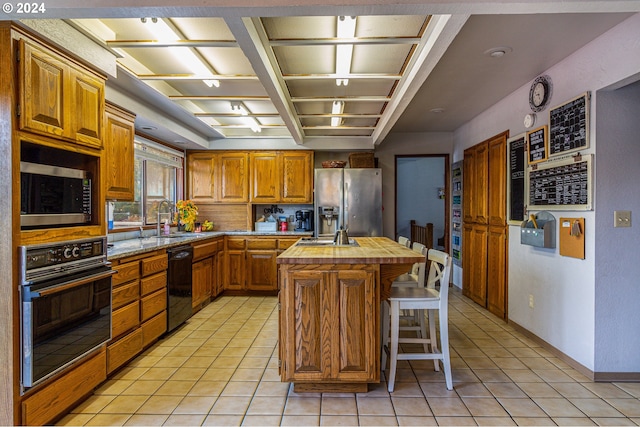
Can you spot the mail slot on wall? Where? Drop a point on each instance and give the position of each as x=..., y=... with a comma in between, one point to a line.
x=539, y=230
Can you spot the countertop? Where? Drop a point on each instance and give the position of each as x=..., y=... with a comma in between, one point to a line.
x=370, y=250
x=125, y=248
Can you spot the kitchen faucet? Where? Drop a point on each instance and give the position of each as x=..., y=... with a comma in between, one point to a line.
x=167, y=203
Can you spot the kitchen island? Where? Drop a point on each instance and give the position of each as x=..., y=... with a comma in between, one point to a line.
x=330, y=311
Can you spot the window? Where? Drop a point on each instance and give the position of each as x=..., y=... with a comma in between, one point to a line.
x=159, y=178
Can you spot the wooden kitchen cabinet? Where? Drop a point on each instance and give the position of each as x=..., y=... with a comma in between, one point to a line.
x=205, y=272
x=119, y=153
x=339, y=311
x=234, y=255
x=218, y=177
x=261, y=265
x=297, y=177
x=485, y=231
x=60, y=98
x=265, y=176
x=281, y=177
x=139, y=305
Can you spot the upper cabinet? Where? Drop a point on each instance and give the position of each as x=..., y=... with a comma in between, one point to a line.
x=218, y=176
x=251, y=176
x=297, y=176
x=119, y=153
x=59, y=98
x=282, y=177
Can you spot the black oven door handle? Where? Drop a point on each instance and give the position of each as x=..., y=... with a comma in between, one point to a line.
x=71, y=284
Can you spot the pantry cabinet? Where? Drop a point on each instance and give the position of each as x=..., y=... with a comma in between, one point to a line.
x=485, y=231
x=119, y=153
x=59, y=98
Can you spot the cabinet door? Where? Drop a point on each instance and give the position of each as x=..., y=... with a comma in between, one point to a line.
x=468, y=189
x=235, y=270
x=307, y=318
x=261, y=271
x=354, y=338
x=481, y=184
x=119, y=155
x=265, y=177
x=297, y=177
x=234, y=178
x=496, y=271
x=478, y=258
x=86, y=102
x=202, y=277
x=467, y=239
x=201, y=177
x=43, y=76
x=497, y=188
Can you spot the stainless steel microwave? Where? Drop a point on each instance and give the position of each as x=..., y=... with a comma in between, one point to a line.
x=52, y=196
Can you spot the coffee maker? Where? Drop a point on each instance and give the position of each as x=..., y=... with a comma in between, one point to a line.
x=304, y=220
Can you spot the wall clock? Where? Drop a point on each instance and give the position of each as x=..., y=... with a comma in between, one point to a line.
x=540, y=93
x=529, y=120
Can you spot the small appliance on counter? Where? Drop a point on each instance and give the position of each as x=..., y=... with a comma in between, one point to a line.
x=304, y=220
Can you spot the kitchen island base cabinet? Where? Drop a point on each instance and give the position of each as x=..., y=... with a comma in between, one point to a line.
x=331, y=313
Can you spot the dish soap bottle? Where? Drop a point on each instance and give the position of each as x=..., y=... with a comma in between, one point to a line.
x=167, y=228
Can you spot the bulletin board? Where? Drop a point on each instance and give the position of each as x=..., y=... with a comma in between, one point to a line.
x=516, y=178
x=538, y=145
x=569, y=126
x=561, y=184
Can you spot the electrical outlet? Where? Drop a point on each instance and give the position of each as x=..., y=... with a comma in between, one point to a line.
x=622, y=218
x=530, y=301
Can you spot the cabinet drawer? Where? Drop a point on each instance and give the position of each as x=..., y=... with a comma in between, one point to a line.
x=153, y=328
x=126, y=272
x=125, y=319
x=153, y=283
x=235, y=244
x=286, y=243
x=261, y=244
x=53, y=400
x=205, y=250
x=124, y=294
x=124, y=350
x=154, y=264
x=153, y=304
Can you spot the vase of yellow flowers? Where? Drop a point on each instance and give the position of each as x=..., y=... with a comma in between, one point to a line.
x=186, y=214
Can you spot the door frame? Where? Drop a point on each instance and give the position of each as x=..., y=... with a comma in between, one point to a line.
x=447, y=196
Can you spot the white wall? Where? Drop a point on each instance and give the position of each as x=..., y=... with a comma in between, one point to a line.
x=617, y=317
x=563, y=288
x=404, y=143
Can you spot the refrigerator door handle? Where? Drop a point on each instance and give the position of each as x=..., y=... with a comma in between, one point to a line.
x=345, y=203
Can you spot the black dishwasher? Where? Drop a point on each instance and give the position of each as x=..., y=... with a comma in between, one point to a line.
x=179, y=286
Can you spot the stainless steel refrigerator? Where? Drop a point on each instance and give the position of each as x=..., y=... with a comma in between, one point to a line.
x=349, y=198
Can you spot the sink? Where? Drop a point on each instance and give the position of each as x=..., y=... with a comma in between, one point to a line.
x=311, y=241
x=172, y=235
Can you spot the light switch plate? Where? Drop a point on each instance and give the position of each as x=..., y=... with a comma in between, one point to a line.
x=622, y=218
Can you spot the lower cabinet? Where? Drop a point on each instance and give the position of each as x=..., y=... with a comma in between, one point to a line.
x=338, y=309
x=43, y=406
x=139, y=306
x=251, y=262
x=205, y=272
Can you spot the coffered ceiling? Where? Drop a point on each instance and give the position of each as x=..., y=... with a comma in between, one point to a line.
x=273, y=73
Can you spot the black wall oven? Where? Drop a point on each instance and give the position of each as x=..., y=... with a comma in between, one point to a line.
x=66, y=305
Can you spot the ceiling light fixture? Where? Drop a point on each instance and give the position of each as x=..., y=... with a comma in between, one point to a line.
x=337, y=108
x=498, y=52
x=163, y=32
x=239, y=108
x=344, y=52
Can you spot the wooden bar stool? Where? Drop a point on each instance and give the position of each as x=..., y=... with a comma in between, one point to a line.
x=426, y=298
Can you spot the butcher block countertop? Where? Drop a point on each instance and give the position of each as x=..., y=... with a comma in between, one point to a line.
x=370, y=250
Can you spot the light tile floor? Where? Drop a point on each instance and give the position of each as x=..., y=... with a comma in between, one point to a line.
x=220, y=368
